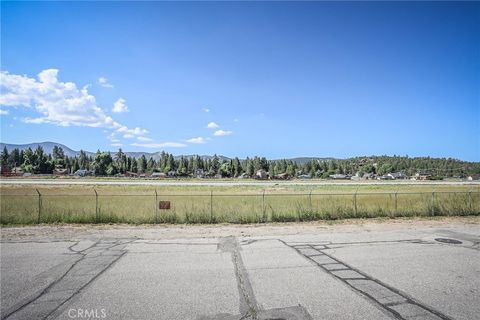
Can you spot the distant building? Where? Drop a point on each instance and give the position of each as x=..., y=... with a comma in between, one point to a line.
x=7, y=171
x=396, y=176
x=199, y=173
x=158, y=175
x=305, y=176
x=338, y=176
x=368, y=176
x=131, y=174
x=282, y=176
x=473, y=177
x=421, y=176
x=81, y=173
x=60, y=172
x=261, y=174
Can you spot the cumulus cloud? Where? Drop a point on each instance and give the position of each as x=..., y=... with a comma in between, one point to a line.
x=128, y=136
x=104, y=82
x=59, y=103
x=120, y=106
x=221, y=133
x=135, y=131
x=144, y=139
x=159, y=145
x=116, y=145
x=206, y=110
x=212, y=125
x=3, y=112
x=197, y=140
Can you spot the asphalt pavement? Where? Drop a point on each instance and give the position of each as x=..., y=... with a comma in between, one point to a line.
x=431, y=272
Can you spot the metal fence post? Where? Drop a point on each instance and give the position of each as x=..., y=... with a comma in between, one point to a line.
x=39, y=206
x=156, y=206
x=211, y=206
x=96, y=205
x=355, y=202
x=433, y=203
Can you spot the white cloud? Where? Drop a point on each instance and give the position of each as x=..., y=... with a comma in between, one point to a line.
x=59, y=103
x=120, y=106
x=206, y=110
x=144, y=139
x=116, y=145
x=221, y=133
x=159, y=145
x=197, y=140
x=135, y=131
x=3, y=112
x=212, y=125
x=104, y=82
x=128, y=136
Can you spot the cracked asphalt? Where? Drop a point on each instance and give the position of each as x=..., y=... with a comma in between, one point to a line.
x=356, y=272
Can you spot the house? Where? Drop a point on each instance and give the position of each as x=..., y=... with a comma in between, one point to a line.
x=199, y=173
x=421, y=176
x=60, y=172
x=304, y=176
x=261, y=174
x=158, y=175
x=338, y=176
x=5, y=171
x=473, y=177
x=396, y=176
x=15, y=171
x=368, y=176
x=282, y=176
x=131, y=174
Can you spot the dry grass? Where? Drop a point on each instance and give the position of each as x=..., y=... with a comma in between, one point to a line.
x=232, y=204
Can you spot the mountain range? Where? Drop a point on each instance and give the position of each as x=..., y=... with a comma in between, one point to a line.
x=48, y=148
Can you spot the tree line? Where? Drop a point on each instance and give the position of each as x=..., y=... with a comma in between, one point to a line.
x=110, y=164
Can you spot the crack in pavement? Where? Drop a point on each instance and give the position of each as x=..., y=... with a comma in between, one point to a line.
x=93, y=261
x=387, y=298
x=249, y=307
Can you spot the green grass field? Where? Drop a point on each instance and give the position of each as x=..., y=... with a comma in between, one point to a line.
x=231, y=204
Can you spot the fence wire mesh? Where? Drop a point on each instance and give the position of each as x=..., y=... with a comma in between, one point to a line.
x=210, y=207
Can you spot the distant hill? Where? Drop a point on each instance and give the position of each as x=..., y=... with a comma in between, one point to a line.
x=48, y=148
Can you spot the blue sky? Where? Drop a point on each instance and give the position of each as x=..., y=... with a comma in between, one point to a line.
x=279, y=79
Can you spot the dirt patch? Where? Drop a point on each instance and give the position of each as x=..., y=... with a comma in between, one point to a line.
x=159, y=232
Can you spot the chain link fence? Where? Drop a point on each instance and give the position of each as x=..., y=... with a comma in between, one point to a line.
x=95, y=207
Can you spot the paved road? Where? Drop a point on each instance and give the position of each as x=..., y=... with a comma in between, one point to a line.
x=223, y=183
x=399, y=272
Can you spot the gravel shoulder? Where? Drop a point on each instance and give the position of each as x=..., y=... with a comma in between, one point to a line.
x=70, y=232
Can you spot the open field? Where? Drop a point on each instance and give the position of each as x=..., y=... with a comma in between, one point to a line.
x=231, y=203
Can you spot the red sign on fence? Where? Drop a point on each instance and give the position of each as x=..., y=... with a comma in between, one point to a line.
x=164, y=205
